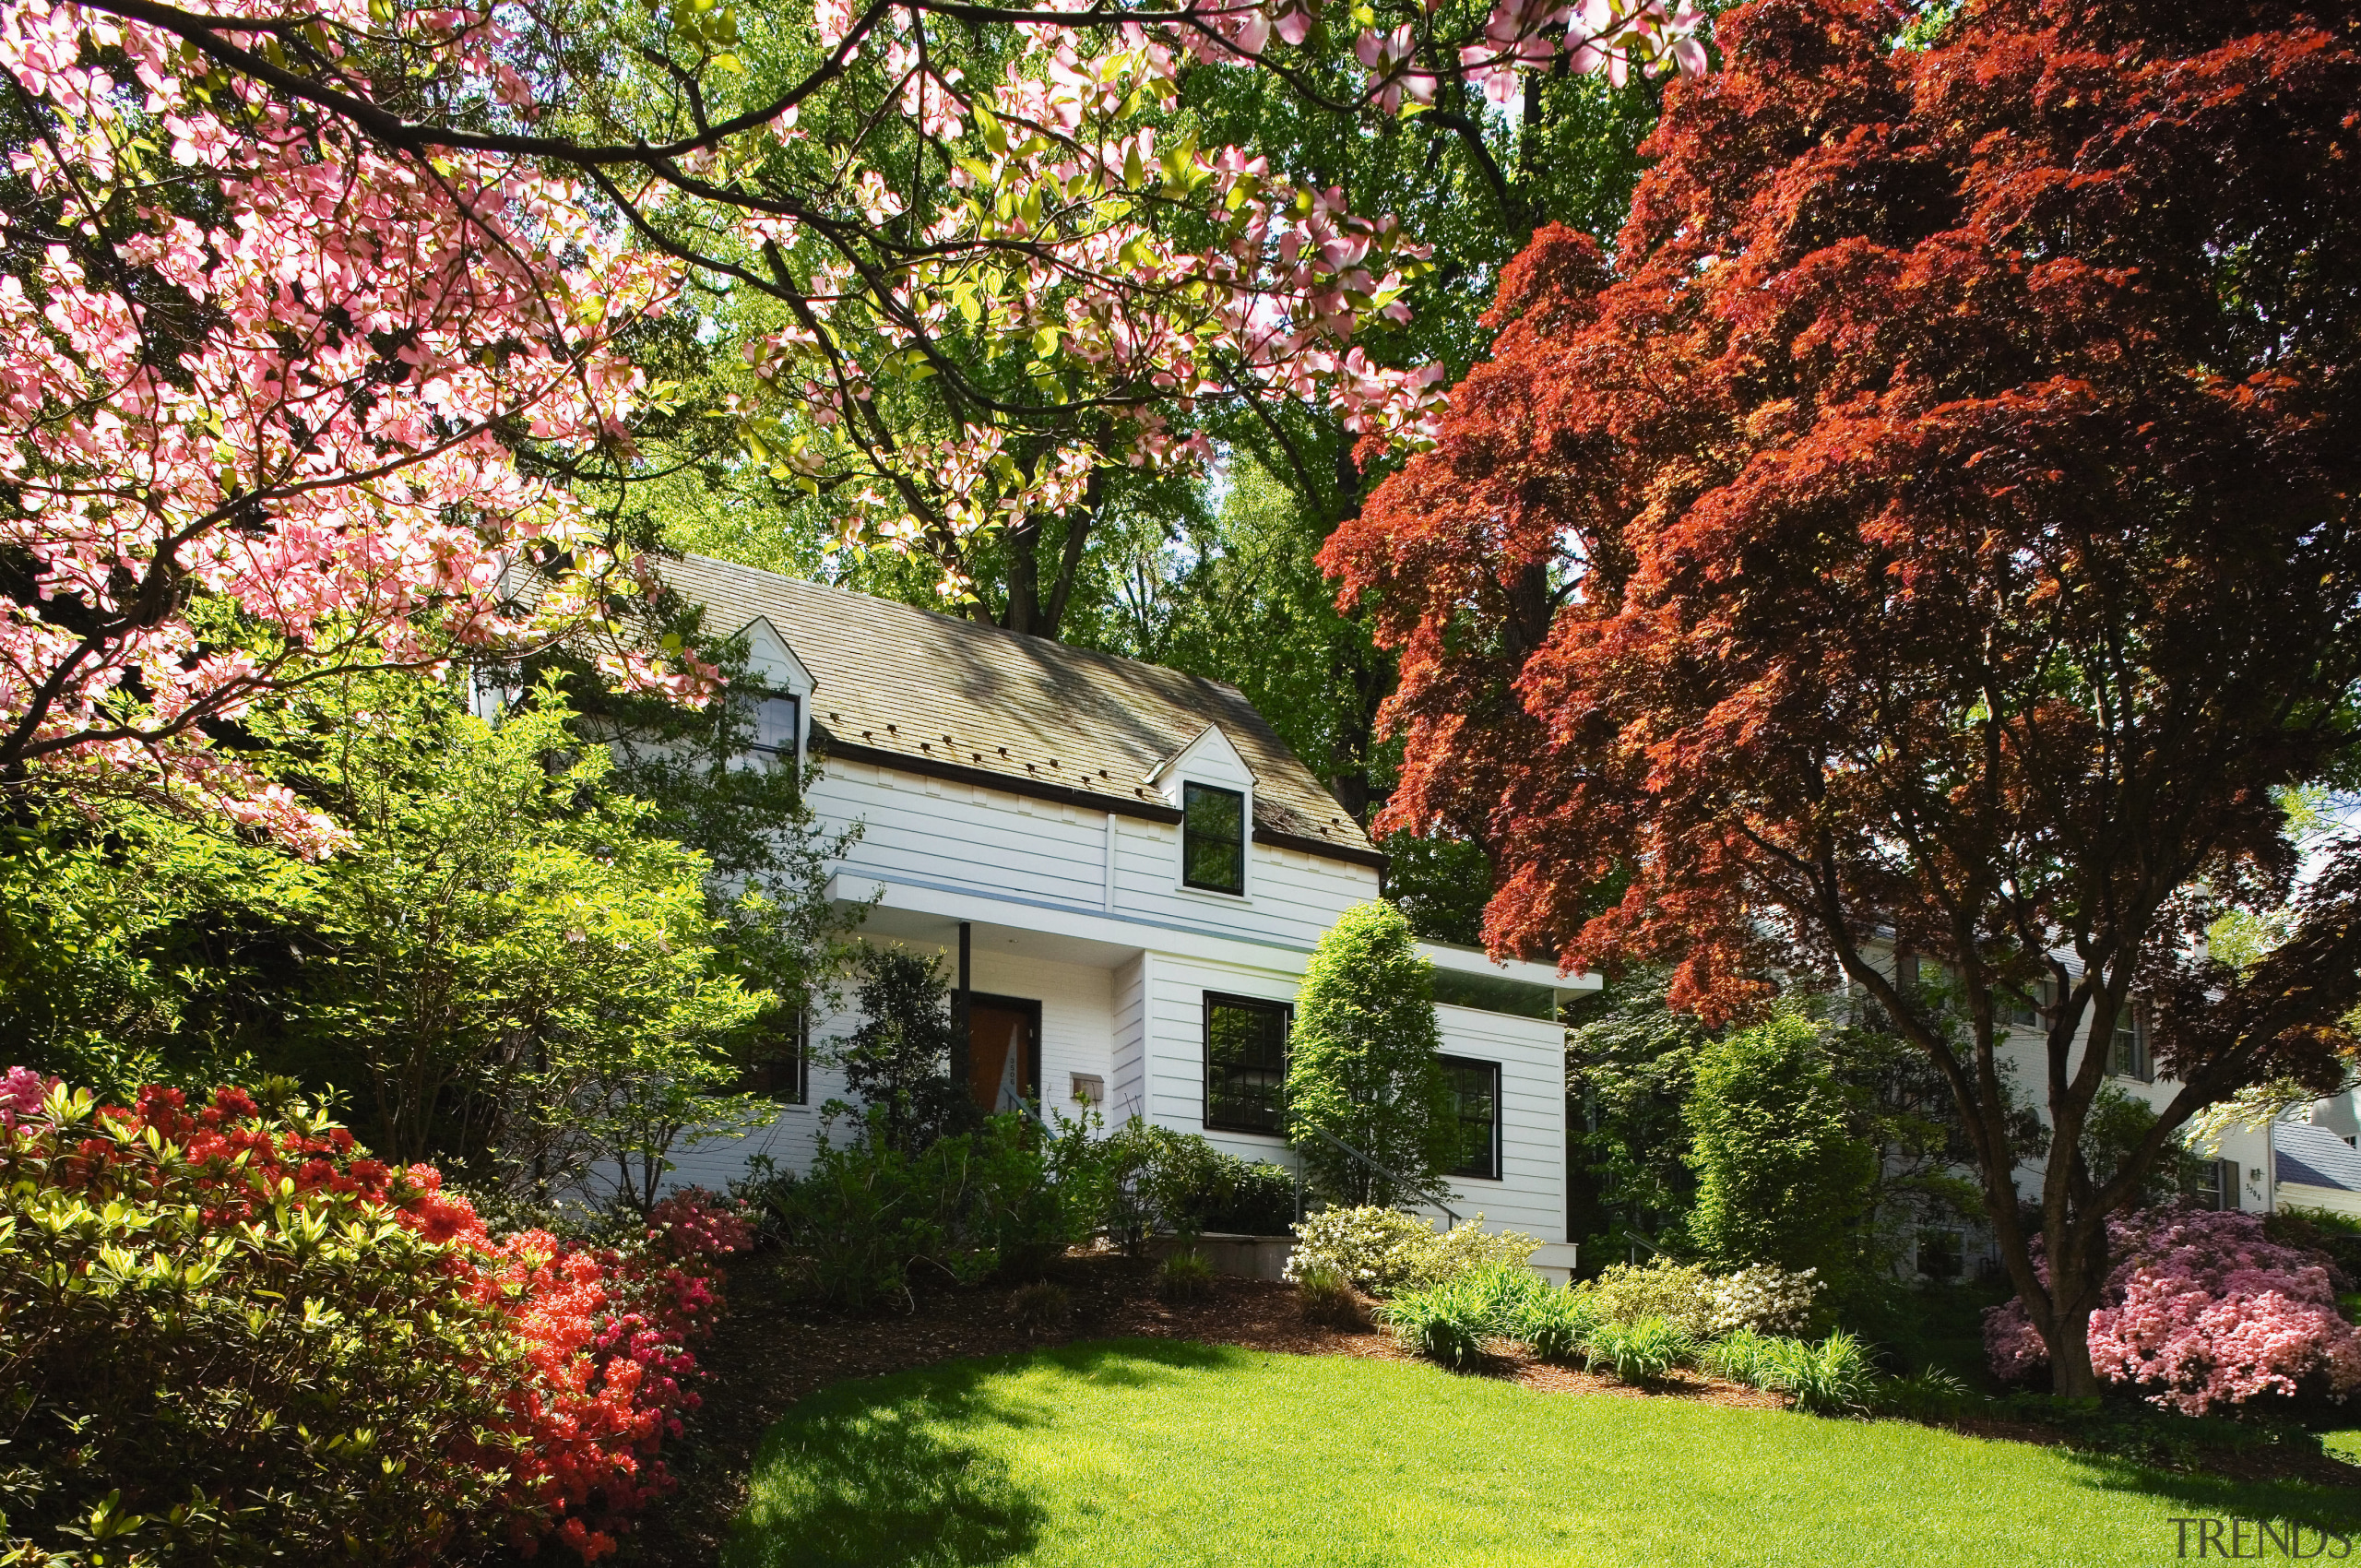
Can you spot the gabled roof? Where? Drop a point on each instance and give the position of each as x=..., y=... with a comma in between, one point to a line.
x=913, y=688
x=2314, y=1157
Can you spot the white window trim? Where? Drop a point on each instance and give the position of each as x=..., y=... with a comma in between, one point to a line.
x=1180, y=882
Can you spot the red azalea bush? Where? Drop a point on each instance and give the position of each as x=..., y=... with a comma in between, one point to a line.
x=231, y=1331
x=2202, y=1311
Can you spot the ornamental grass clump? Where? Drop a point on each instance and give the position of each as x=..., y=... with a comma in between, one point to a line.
x=1640, y=1352
x=1554, y=1323
x=1741, y=1355
x=1327, y=1298
x=1446, y=1323
x=1184, y=1277
x=1832, y=1378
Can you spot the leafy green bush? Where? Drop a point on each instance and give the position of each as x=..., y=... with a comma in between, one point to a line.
x=1385, y=1250
x=1641, y=1352
x=1184, y=1277
x=1783, y=1175
x=1365, y=1063
x=967, y=1206
x=1681, y=1294
x=1141, y=1180
x=1554, y=1325
x=203, y=1365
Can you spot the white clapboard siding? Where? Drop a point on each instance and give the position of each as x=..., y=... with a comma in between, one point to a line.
x=1127, y=1082
x=1176, y=1046
x=1531, y=1194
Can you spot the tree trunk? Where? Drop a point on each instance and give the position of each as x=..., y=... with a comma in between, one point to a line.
x=2078, y=1271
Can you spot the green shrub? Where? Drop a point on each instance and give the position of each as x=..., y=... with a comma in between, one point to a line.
x=1681, y=1294
x=1385, y=1250
x=1365, y=1063
x=1640, y=1352
x=1554, y=1323
x=1184, y=1277
x=869, y=1213
x=1783, y=1176
x=1832, y=1378
x=201, y=1361
x=1141, y=1180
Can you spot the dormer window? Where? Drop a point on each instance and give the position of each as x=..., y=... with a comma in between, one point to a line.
x=1213, y=838
x=770, y=723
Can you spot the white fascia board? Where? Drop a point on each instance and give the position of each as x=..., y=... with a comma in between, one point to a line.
x=1476, y=961
x=771, y=656
x=1092, y=925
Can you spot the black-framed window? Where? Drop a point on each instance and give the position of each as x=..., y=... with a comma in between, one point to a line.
x=779, y=1068
x=770, y=720
x=1476, y=1111
x=1213, y=838
x=1246, y=1063
x=2128, y=1051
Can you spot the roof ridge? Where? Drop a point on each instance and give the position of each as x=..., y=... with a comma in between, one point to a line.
x=962, y=623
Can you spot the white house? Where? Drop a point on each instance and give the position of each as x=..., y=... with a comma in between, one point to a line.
x=1126, y=870
x=2240, y=1174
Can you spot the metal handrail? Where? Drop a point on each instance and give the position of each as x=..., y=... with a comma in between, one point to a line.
x=1349, y=1152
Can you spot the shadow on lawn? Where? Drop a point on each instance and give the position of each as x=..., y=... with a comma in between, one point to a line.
x=869, y=1473
x=2219, y=1497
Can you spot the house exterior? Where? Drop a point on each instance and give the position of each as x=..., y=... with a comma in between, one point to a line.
x=2238, y=1174
x=1127, y=871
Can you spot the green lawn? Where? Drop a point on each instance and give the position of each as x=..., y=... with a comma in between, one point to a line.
x=1150, y=1453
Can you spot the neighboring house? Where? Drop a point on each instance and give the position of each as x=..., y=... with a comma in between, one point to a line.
x=1125, y=869
x=2235, y=1177
x=2314, y=1165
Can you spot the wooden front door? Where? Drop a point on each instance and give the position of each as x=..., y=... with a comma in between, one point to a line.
x=1003, y=1051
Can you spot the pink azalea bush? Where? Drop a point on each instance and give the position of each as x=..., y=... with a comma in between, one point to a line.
x=2202, y=1311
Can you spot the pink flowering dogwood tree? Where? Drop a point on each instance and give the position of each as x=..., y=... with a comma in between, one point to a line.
x=2202, y=1311
x=982, y=292
x=264, y=386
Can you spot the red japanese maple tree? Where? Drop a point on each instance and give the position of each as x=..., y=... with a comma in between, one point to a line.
x=1933, y=532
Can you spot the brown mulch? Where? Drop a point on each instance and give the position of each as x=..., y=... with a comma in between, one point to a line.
x=767, y=1354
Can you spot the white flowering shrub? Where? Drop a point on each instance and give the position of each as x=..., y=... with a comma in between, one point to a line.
x=1681, y=1294
x=1385, y=1250
x=1765, y=1299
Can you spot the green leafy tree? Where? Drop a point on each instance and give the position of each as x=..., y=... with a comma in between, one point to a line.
x=1365, y=1066
x=1628, y=1062
x=1783, y=1176
x=898, y=1063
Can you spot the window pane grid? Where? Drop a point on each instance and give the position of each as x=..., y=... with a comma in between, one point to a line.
x=1246, y=1064
x=1213, y=838
x=1475, y=1089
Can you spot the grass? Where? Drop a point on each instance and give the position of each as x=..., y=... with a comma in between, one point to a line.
x=1150, y=1453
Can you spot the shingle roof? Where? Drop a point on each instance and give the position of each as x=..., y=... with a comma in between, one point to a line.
x=2315, y=1157
x=939, y=690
